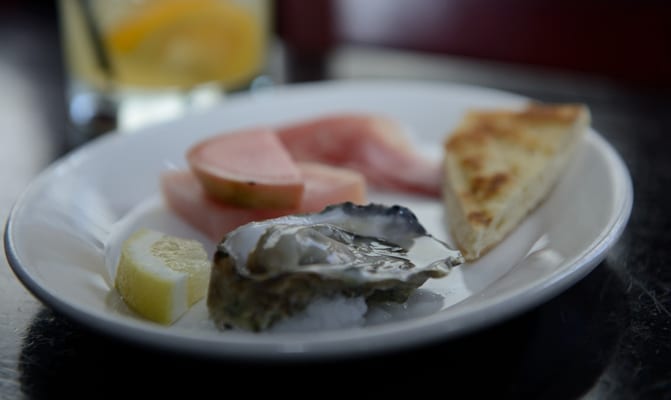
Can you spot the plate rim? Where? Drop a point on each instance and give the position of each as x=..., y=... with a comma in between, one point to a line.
x=567, y=273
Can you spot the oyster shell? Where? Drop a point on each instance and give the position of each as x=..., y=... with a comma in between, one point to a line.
x=265, y=271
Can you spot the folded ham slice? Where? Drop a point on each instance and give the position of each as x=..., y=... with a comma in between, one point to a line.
x=324, y=185
x=371, y=144
x=248, y=168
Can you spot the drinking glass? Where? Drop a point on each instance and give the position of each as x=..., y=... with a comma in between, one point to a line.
x=134, y=62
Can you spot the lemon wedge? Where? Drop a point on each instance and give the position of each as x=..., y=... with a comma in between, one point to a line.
x=161, y=276
x=187, y=42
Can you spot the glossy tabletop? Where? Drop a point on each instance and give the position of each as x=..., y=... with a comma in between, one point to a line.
x=608, y=336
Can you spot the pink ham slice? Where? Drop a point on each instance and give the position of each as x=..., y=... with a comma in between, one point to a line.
x=248, y=168
x=371, y=144
x=324, y=185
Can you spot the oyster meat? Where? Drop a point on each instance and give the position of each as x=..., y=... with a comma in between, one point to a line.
x=266, y=271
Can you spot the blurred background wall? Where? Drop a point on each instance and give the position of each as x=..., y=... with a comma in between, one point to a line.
x=626, y=40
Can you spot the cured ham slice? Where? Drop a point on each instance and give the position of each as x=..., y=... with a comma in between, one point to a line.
x=371, y=144
x=248, y=168
x=324, y=185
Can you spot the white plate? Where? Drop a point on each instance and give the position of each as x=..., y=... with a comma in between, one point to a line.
x=54, y=233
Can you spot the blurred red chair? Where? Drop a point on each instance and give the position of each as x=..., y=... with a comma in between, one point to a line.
x=629, y=41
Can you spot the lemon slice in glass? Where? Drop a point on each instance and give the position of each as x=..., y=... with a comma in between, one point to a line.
x=161, y=276
x=187, y=42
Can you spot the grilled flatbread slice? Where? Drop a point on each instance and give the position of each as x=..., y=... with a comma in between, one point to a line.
x=501, y=164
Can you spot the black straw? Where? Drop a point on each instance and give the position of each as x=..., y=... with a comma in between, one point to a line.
x=96, y=38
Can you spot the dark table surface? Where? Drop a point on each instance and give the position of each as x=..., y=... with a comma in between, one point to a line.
x=608, y=336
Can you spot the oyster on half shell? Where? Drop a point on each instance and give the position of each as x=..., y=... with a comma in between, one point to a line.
x=265, y=271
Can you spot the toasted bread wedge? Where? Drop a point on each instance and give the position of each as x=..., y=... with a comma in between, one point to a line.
x=501, y=164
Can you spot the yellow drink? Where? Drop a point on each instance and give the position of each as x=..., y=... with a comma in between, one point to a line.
x=157, y=48
x=169, y=43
